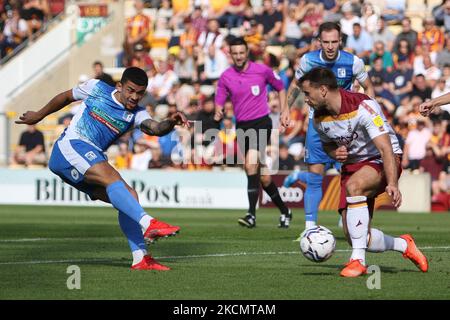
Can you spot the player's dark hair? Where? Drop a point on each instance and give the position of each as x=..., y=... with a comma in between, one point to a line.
x=329, y=26
x=135, y=75
x=238, y=41
x=320, y=76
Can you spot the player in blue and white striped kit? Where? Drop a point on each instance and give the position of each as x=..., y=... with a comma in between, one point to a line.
x=347, y=67
x=78, y=156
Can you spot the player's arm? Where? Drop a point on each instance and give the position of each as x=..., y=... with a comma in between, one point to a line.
x=55, y=104
x=155, y=128
x=430, y=105
x=384, y=146
x=359, y=69
x=220, y=99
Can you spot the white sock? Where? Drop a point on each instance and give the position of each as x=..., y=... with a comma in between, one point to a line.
x=380, y=242
x=145, y=222
x=358, y=226
x=309, y=224
x=138, y=255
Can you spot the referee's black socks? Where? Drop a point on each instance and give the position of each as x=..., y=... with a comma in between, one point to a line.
x=253, y=192
x=273, y=193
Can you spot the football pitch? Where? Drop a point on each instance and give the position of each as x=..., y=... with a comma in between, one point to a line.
x=211, y=258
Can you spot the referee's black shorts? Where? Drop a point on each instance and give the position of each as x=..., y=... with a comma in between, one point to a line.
x=254, y=134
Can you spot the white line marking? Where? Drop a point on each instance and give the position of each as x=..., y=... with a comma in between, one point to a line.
x=213, y=255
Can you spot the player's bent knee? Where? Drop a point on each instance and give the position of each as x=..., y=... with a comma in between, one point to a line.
x=354, y=188
x=266, y=180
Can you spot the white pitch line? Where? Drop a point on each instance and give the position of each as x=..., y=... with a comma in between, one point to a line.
x=213, y=255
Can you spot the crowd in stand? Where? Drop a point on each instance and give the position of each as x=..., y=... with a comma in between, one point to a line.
x=182, y=46
x=22, y=20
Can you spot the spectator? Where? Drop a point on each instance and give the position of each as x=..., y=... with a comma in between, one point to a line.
x=188, y=38
x=430, y=71
x=123, y=158
x=291, y=32
x=400, y=83
x=101, y=75
x=215, y=64
x=199, y=22
x=407, y=34
x=184, y=67
x=431, y=37
x=206, y=118
x=441, y=89
x=226, y=146
x=35, y=12
x=160, y=84
x=360, y=43
x=381, y=33
x=369, y=18
x=14, y=33
x=141, y=157
x=305, y=44
x=380, y=52
x=156, y=161
x=234, y=14
x=420, y=88
x=137, y=29
x=404, y=52
x=442, y=15
x=394, y=11
x=141, y=58
x=253, y=37
x=295, y=133
x=270, y=22
x=31, y=148
x=415, y=146
x=349, y=19
x=285, y=161
x=378, y=74
x=211, y=36
x=443, y=57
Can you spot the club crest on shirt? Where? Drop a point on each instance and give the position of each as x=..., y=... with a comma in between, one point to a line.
x=255, y=90
x=75, y=174
x=341, y=73
x=127, y=116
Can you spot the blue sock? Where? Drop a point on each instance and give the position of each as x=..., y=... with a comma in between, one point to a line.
x=313, y=195
x=132, y=231
x=122, y=200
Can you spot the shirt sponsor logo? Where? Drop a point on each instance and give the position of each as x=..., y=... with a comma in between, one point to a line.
x=90, y=155
x=255, y=90
x=114, y=125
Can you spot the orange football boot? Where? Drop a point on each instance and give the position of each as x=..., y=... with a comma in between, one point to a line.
x=148, y=263
x=354, y=268
x=414, y=254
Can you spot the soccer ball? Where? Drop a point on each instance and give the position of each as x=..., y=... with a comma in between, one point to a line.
x=317, y=244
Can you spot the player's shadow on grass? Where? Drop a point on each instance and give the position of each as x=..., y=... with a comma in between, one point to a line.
x=383, y=269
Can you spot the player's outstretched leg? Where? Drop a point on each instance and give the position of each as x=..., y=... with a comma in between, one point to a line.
x=271, y=189
x=380, y=242
x=122, y=199
x=141, y=259
x=357, y=220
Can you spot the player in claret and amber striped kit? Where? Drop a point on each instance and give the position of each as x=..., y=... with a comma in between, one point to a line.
x=354, y=131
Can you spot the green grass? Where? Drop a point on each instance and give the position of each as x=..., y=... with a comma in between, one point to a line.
x=272, y=267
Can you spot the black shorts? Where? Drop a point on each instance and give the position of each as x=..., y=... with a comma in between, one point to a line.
x=254, y=134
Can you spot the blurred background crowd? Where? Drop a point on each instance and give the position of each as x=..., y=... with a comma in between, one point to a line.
x=182, y=45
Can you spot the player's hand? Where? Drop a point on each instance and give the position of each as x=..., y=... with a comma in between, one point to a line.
x=285, y=119
x=29, y=117
x=341, y=154
x=180, y=119
x=218, y=115
x=426, y=108
x=395, y=195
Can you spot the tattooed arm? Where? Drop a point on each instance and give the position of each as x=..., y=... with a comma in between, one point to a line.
x=155, y=128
